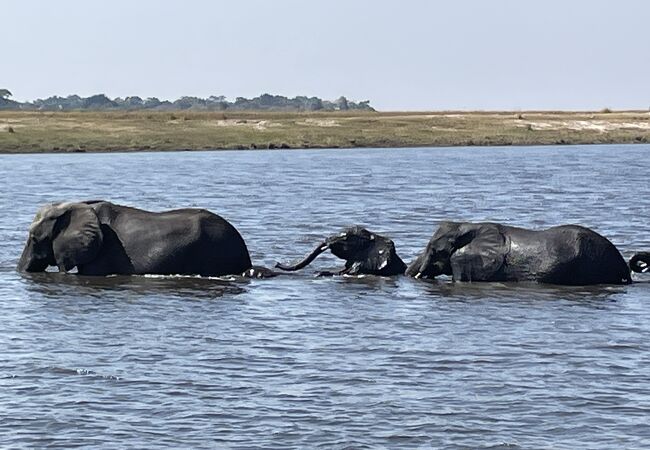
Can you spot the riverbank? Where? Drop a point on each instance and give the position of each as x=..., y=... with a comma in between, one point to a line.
x=41, y=132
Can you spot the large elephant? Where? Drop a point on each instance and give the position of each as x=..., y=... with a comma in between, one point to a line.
x=102, y=238
x=364, y=252
x=567, y=254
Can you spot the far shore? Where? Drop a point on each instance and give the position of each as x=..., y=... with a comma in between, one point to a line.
x=119, y=131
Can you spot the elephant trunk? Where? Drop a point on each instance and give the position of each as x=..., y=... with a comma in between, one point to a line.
x=28, y=262
x=428, y=265
x=305, y=262
x=640, y=262
x=419, y=267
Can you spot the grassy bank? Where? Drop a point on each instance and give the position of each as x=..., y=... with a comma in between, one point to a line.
x=29, y=132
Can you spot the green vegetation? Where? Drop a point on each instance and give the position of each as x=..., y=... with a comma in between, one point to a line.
x=101, y=102
x=187, y=130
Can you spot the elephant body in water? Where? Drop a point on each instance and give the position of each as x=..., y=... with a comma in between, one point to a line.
x=567, y=254
x=102, y=238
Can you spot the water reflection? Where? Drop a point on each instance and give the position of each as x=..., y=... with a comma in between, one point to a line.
x=522, y=291
x=54, y=285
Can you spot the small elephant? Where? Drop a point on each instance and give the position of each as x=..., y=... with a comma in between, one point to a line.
x=364, y=252
x=102, y=238
x=567, y=255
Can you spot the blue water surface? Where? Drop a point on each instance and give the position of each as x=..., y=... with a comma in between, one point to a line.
x=303, y=362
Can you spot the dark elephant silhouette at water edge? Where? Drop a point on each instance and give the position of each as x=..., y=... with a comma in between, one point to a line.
x=103, y=238
x=564, y=255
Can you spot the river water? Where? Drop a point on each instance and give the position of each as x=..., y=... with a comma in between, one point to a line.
x=302, y=362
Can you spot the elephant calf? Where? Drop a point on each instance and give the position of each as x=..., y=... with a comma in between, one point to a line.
x=364, y=252
x=102, y=238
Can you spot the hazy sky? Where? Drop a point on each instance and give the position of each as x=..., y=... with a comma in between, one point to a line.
x=401, y=54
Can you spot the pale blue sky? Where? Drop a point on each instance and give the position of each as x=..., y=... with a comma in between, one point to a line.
x=406, y=54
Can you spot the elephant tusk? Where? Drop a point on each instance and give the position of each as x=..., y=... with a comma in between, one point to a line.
x=643, y=264
x=418, y=275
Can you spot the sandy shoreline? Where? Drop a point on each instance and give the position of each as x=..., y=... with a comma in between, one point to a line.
x=70, y=132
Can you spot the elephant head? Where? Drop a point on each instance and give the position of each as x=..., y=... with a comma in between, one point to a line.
x=364, y=252
x=63, y=235
x=436, y=258
x=460, y=250
x=640, y=262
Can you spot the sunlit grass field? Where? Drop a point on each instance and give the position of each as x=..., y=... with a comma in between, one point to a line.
x=23, y=132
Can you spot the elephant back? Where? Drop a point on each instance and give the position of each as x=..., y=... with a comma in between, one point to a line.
x=228, y=250
x=587, y=258
x=602, y=260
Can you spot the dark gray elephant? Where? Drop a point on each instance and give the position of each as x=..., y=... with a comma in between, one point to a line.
x=102, y=238
x=567, y=254
x=364, y=252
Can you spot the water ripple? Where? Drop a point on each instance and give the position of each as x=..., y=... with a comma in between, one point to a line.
x=300, y=362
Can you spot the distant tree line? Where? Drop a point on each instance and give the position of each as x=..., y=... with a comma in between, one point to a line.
x=212, y=103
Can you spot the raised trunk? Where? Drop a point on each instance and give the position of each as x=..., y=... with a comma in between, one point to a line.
x=305, y=262
x=640, y=262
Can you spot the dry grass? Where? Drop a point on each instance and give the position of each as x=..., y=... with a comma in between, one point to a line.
x=146, y=130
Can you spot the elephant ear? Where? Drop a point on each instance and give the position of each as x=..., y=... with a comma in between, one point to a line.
x=382, y=259
x=77, y=237
x=386, y=258
x=481, y=257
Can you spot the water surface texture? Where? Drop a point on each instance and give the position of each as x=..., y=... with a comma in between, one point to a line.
x=302, y=362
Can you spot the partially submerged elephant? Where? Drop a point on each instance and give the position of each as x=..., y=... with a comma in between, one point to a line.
x=567, y=254
x=102, y=238
x=364, y=252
